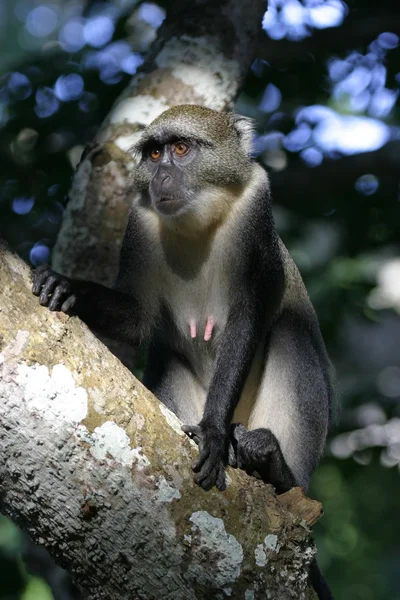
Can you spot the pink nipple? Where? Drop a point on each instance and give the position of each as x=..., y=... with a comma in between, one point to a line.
x=209, y=329
x=192, y=325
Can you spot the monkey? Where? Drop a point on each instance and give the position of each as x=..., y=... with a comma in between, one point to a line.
x=235, y=349
x=234, y=344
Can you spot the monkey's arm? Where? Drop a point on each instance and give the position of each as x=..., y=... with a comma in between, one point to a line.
x=112, y=313
x=251, y=315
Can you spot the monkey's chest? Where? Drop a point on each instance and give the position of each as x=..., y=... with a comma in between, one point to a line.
x=198, y=307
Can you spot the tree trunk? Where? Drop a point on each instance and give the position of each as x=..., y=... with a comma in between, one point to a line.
x=94, y=468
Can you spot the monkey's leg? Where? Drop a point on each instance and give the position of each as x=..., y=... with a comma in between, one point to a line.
x=110, y=312
x=291, y=411
x=171, y=380
x=259, y=451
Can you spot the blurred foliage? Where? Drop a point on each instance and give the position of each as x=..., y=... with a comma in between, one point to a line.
x=323, y=91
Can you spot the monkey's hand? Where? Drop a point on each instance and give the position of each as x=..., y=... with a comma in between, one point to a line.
x=210, y=465
x=54, y=290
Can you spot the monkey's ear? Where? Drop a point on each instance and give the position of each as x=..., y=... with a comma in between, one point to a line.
x=245, y=130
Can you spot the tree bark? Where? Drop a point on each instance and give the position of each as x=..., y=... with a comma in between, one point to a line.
x=95, y=469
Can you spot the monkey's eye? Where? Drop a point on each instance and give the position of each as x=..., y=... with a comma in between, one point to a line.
x=155, y=153
x=180, y=148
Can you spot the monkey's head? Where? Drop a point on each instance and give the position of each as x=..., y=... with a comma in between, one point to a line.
x=193, y=162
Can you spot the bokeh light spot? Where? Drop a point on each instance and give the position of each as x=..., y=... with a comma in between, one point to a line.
x=327, y=14
x=388, y=40
x=271, y=99
x=21, y=205
x=130, y=63
x=39, y=254
x=71, y=36
x=19, y=85
x=312, y=156
x=367, y=184
x=46, y=103
x=98, y=31
x=388, y=381
x=297, y=139
x=151, y=13
x=41, y=21
x=293, y=19
x=69, y=87
x=350, y=135
x=382, y=103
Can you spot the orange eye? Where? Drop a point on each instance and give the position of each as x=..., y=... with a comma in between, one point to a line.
x=180, y=148
x=155, y=153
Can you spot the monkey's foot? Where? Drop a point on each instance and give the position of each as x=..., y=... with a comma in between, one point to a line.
x=259, y=451
x=210, y=465
x=54, y=290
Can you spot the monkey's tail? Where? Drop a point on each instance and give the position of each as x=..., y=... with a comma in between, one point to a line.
x=318, y=582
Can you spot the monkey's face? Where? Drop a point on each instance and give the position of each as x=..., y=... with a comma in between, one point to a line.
x=169, y=185
x=193, y=162
x=189, y=178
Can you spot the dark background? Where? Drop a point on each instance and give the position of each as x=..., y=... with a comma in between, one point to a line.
x=324, y=95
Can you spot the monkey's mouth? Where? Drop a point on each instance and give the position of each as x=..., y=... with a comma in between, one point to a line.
x=168, y=205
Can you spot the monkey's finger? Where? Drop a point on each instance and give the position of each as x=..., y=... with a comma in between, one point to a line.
x=68, y=304
x=47, y=290
x=206, y=479
x=192, y=430
x=212, y=475
x=221, y=480
x=40, y=269
x=39, y=277
x=207, y=484
x=56, y=297
x=206, y=470
x=204, y=453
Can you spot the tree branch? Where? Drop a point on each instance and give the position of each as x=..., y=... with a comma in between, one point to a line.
x=95, y=469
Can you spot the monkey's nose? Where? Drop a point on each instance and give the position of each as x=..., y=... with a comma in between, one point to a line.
x=165, y=179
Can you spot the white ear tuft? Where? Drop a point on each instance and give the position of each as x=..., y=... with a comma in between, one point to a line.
x=245, y=130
